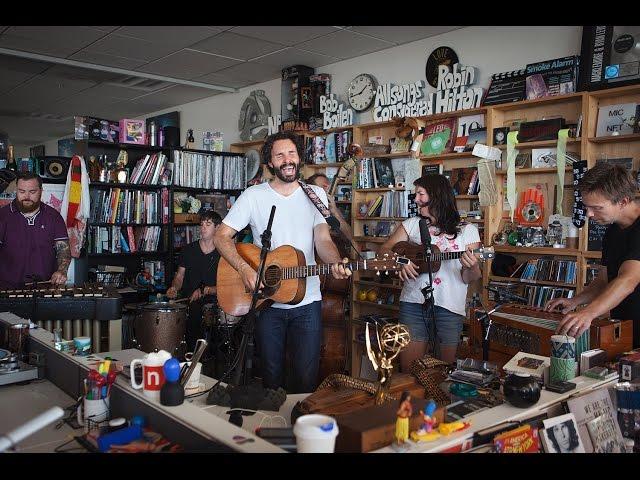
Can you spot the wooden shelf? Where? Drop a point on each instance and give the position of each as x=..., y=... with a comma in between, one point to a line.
x=589, y=254
x=394, y=308
x=371, y=239
x=315, y=133
x=466, y=197
x=541, y=143
x=505, y=107
x=203, y=190
x=399, y=219
x=375, y=284
x=525, y=171
x=635, y=137
x=447, y=156
x=128, y=254
x=124, y=146
x=365, y=190
x=537, y=250
x=323, y=165
x=472, y=220
x=437, y=116
x=139, y=186
x=248, y=143
x=389, y=155
x=531, y=282
x=108, y=224
x=616, y=92
x=344, y=201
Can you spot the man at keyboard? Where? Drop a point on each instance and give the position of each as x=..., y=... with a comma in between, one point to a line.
x=609, y=195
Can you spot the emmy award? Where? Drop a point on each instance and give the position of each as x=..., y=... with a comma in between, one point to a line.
x=391, y=340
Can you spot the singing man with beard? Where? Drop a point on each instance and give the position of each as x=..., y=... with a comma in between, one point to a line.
x=33, y=238
x=297, y=222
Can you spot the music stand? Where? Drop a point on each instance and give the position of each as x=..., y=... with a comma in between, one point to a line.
x=248, y=393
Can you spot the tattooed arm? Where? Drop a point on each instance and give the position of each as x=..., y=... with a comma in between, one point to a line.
x=63, y=256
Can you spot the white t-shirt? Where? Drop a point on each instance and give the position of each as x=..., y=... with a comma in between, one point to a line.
x=449, y=290
x=293, y=223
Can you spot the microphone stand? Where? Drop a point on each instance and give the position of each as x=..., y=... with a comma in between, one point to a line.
x=245, y=394
x=427, y=291
x=485, y=318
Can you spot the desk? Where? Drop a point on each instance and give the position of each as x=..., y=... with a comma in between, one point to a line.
x=549, y=402
x=195, y=428
x=21, y=403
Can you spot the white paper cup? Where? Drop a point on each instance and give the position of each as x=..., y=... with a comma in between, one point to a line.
x=315, y=433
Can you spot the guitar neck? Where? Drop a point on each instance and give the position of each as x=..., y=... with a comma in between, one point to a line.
x=440, y=256
x=314, y=270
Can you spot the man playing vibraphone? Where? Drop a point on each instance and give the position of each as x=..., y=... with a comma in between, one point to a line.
x=608, y=193
x=33, y=238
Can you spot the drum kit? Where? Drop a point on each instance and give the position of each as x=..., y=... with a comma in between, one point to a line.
x=162, y=325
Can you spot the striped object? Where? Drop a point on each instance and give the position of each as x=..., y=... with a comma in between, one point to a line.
x=563, y=346
x=75, y=191
x=562, y=369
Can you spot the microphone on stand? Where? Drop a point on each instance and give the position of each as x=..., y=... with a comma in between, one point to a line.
x=507, y=295
x=425, y=236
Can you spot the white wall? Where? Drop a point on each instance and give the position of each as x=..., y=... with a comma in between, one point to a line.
x=490, y=49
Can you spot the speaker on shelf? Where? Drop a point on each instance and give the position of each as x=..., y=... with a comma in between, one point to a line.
x=171, y=136
x=53, y=167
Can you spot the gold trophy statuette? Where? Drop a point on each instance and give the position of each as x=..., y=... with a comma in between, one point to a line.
x=391, y=340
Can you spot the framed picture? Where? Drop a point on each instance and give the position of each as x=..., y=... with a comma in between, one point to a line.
x=344, y=193
x=560, y=435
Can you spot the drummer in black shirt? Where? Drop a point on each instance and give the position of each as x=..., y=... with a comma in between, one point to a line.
x=196, y=275
x=608, y=193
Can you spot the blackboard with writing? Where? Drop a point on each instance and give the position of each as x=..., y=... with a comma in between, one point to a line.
x=596, y=234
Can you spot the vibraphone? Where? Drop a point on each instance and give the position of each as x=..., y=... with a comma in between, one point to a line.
x=78, y=311
x=519, y=328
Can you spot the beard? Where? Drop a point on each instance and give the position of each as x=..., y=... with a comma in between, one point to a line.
x=287, y=178
x=27, y=206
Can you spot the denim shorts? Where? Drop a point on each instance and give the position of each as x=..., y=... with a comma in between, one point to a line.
x=417, y=319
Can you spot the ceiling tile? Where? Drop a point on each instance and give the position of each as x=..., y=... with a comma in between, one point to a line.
x=188, y=64
x=108, y=60
x=223, y=80
x=130, y=48
x=16, y=64
x=293, y=56
x=223, y=28
x=179, y=94
x=56, y=41
x=236, y=46
x=77, y=73
x=251, y=71
x=178, y=37
x=83, y=103
x=9, y=79
x=403, y=34
x=114, y=91
x=105, y=29
x=42, y=91
x=344, y=44
x=288, y=35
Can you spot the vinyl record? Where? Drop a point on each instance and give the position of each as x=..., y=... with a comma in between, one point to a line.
x=440, y=56
x=531, y=212
x=253, y=163
x=55, y=167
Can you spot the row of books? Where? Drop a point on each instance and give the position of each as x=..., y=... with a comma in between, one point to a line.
x=330, y=148
x=390, y=204
x=184, y=235
x=209, y=171
x=117, y=205
x=463, y=180
x=115, y=239
x=151, y=169
x=375, y=173
x=538, y=296
x=548, y=270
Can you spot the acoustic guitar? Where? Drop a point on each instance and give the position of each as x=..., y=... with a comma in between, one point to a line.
x=284, y=276
x=415, y=253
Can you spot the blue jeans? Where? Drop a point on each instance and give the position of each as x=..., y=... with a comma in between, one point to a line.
x=301, y=329
x=418, y=320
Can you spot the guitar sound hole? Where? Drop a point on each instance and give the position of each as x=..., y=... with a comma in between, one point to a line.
x=272, y=276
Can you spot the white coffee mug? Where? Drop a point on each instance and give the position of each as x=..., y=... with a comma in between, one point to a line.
x=152, y=373
x=194, y=379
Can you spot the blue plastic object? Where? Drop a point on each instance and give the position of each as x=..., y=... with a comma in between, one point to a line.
x=138, y=420
x=171, y=370
x=119, y=437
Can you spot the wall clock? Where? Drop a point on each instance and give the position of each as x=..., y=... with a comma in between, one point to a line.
x=362, y=92
x=440, y=56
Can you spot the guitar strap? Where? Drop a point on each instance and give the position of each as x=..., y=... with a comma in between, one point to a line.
x=333, y=222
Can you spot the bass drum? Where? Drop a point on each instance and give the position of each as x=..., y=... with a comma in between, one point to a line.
x=160, y=325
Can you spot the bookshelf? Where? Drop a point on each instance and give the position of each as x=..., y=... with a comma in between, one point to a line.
x=165, y=223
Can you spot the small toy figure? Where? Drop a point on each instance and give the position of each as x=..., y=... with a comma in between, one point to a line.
x=426, y=432
x=402, y=422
